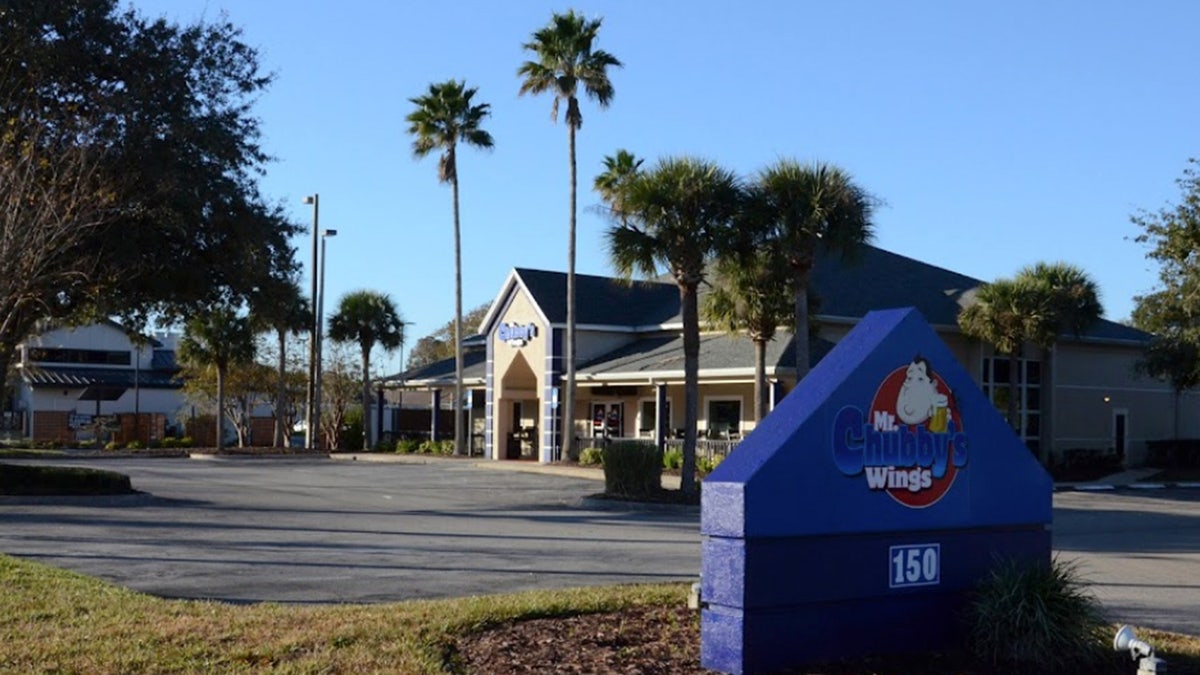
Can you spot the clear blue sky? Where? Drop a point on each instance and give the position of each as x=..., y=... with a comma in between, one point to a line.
x=998, y=134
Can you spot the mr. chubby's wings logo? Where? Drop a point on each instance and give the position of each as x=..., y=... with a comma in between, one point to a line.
x=910, y=442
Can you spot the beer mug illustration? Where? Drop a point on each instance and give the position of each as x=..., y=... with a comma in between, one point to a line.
x=941, y=414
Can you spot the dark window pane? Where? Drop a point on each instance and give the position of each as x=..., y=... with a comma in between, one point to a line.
x=1034, y=371
x=1001, y=370
x=1033, y=399
x=724, y=417
x=1033, y=424
x=1000, y=398
x=987, y=371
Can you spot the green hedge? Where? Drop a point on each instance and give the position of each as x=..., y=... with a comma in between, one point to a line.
x=64, y=480
x=632, y=469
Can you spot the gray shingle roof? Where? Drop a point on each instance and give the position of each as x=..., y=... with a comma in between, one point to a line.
x=602, y=301
x=717, y=351
x=441, y=372
x=875, y=279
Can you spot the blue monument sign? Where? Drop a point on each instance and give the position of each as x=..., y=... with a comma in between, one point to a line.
x=860, y=513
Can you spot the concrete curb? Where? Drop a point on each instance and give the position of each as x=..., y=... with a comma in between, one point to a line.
x=1107, y=487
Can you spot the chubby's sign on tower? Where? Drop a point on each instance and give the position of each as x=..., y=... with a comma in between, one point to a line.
x=861, y=512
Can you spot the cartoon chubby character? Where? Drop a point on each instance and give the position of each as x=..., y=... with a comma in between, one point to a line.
x=919, y=399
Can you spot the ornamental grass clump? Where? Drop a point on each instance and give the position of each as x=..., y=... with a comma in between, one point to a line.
x=1038, y=618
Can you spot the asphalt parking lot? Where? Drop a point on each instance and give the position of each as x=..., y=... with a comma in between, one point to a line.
x=250, y=530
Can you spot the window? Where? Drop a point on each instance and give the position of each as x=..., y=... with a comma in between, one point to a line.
x=88, y=356
x=646, y=411
x=724, y=418
x=1029, y=394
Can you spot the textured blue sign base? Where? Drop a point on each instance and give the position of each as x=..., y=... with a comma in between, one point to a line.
x=763, y=595
x=857, y=517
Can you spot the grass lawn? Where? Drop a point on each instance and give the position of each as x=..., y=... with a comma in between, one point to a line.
x=57, y=621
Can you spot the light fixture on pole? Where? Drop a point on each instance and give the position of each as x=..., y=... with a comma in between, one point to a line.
x=325, y=234
x=309, y=416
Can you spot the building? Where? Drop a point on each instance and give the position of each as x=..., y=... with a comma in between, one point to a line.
x=630, y=358
x=93, y=382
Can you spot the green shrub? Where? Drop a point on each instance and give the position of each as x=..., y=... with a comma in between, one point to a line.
x=113, y=445
x=1037, y=618
x=591, y=456
x=186, y=442
x=408, y=445
x=169, y=442
x=705, y=465
x=673, y=459
x=61, y=480
x=445, y=448
x=632, y=469
x=134, y=445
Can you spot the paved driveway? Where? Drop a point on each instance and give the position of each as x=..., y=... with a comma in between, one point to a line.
x=321, y=531
x=325, y=531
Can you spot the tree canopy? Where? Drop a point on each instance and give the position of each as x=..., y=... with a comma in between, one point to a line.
x=128, y=165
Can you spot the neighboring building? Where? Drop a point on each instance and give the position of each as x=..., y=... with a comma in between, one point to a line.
x=93, y=381
x=630, y=359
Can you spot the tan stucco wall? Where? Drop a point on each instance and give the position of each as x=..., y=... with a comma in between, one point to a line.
x=508, y=385
x=1086, y=375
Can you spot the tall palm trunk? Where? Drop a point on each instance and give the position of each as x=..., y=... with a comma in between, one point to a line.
x=691, y=383
x=568, y=427
x=220, y=407
x=366, y=396
x=280, y=389
x=760, y=379
x=802, y=355
x=459, y=449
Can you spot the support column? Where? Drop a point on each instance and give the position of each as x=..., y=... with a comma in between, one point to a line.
x=378, y=416
x=436, y=408
x=661, y=421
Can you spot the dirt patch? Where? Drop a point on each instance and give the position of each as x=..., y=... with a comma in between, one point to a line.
x=640, y=640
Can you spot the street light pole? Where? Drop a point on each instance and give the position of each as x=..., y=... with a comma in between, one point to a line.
x=325, y=234
x=309, y=417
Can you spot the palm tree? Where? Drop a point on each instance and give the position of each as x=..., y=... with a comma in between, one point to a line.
x=279, y=305
x=1070, y=301
x=218, y=338
x=1006, y=313
x=564, y=62
x=812, y=207
x=619, y=169
x=445, y=117
x=679, y=215
x=750, y=293
x=368, y=319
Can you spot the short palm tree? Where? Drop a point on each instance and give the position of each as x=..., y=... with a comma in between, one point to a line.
x=1070, y=301
x=368, y=319
x=445, y=116
x=809, y=208
x=1006, y=313
x=680, y=214
x=218, y=339
x=619, y=170
x=280, y=306
x=564, y=63
x=751, y=294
